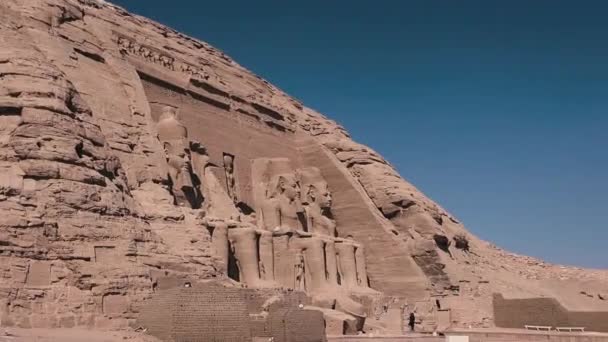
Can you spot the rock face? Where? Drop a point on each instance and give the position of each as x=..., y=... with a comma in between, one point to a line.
x=134, y=160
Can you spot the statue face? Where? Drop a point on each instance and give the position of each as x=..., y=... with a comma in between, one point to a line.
x=187, y=158
x=290, y=187
x=168, y=112
x=325, y=199
x=228, y=163
x=320, y=194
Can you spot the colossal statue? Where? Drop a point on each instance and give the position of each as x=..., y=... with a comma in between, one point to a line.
x=309, y=257
x=276, y=194
x=282, y=207
x=174, y=137
x=317, y=200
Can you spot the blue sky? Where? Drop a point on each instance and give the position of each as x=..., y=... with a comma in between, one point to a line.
x=497, y=110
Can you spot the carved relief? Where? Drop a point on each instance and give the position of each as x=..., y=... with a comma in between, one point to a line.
x=152, y=55
x=314, y=260
x=230, y=178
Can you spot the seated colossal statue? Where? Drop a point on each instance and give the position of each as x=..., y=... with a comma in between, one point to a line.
x=317, y=201
x=308, y=257
x=173, y=135
x=282, y=208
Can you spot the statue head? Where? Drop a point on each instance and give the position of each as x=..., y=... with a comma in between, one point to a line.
x=285, y=184
x=170, y=129
x=228, y=162
x=168, y=112
x=316, y=189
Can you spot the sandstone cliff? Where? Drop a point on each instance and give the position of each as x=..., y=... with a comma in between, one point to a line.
x=89, y=227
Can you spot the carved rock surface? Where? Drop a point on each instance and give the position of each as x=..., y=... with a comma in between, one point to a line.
x=89, y=228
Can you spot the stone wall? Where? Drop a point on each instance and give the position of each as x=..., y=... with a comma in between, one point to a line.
x=528, y=336
x=212, y=312
x=516, y=313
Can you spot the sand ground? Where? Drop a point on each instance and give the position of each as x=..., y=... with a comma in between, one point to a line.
x=71, y=335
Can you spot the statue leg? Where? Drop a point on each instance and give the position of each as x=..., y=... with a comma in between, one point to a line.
x=331, y=263
x=219, y=242
x=361, y=267
x=348, y=265
x=314, y=256
x=245, y=244
x=266, y=256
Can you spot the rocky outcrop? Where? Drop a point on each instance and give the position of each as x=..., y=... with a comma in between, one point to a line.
x=127, y=155
x=71, y=230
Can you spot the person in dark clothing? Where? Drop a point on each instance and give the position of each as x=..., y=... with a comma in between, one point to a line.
x=412, y=322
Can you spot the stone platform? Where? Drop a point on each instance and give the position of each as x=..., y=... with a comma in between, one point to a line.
x=514, y=335
x=387, y=338
x=482, y=335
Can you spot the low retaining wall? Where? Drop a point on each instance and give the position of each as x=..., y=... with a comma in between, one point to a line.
x=528, y=336
x=481, y=335
x=211, y=312
x=516, y=313
x=395, y=338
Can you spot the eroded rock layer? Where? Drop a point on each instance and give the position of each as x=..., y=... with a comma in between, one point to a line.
x=134, y=159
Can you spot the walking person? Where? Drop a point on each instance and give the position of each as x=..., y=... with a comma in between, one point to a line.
x=412, y=321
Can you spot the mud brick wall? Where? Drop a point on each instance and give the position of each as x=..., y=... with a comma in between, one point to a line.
x=525, y=336
x=285, y=320
x=296, y=325
x=156, y=318
x=592, y=320
x=516, y=313
x=200, y=313
x=211, y=312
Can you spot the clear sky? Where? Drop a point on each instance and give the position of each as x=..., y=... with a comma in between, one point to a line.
x=498, y=110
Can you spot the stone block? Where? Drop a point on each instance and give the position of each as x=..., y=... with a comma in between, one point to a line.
x=114, y=305
x=38, y=274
